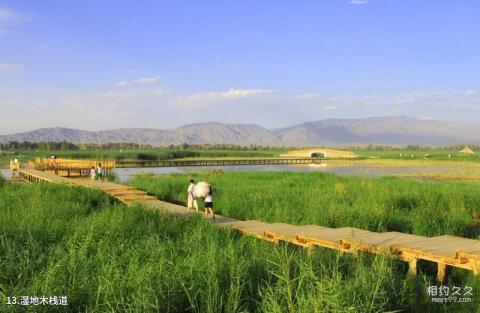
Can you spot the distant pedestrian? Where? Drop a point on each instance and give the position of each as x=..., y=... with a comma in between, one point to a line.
x=192, y=199
x=93, y=173
x=209, y=203
x=99, y=172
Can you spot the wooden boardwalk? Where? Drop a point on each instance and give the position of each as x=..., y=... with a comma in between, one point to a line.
x=226, y=161
x=71, y=167
x=443, y=250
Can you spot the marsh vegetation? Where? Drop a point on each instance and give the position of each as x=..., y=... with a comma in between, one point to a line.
x=106, y=257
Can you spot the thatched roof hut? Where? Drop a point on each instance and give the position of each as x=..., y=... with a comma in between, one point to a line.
x=467, y=150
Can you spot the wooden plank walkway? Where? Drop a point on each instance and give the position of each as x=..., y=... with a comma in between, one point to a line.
x=226, y=161
x=32, y=175
x=444, y=250
x=71, y=167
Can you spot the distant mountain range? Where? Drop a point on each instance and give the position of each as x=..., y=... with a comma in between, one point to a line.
x=329, y=132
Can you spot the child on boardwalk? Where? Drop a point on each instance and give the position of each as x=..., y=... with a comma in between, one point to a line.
x=209, y=203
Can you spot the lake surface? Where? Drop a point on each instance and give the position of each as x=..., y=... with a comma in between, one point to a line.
x=363, y=170
x=356, y=169
x=6, y=173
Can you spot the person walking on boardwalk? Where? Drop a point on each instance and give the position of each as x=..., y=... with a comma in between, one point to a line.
x=99, y=172
x=16, y=164
x=192, y=199
x=209, y=203
x=93, y=173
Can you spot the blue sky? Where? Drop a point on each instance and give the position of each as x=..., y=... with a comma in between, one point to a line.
x=160, y=64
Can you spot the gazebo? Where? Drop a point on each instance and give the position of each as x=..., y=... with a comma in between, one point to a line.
x=467, y=150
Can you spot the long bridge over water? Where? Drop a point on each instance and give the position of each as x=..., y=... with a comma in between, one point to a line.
x=225, y=161
x=445, y=251
x=73, y=168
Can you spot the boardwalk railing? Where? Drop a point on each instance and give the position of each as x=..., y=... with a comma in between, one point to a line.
x=71, y=167
x=36, y=176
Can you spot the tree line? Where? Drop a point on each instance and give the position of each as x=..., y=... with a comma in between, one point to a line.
x=68, y=146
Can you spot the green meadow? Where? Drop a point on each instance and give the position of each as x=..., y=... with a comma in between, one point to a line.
x=106, y=257
x=380, y=204
x=418, y=154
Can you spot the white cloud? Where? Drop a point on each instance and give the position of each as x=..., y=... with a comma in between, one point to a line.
x=470, y=92
x=6, y=67
x=158, y=92
x=146, y=80
x=308, y=95
x=207, y=99
x=229, y=94
x=8, y=17
x=151, y=106
x=358, y=2
x=140, y=81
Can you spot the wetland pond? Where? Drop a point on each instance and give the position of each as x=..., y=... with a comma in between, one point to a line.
x=351, y=169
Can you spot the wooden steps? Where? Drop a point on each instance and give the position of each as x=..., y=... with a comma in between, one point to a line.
x=136, y=198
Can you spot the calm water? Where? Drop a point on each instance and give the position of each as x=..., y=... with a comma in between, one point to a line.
x=125, y=174
x=6, y=173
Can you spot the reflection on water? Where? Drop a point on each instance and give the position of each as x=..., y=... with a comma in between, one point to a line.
x=6, y=173
x=363, y=170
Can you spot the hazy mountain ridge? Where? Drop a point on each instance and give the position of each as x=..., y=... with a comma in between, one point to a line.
x=379, y=130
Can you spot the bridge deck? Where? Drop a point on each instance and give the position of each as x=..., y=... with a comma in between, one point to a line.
x=32, y=175
x=227, y=161
x=443, y=250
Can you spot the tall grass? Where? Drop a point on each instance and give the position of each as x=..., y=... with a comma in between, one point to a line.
x=439, y=155
x=381, y=204
x=105, y=257
x=152, y=154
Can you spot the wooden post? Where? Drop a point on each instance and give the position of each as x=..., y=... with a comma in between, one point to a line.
x=309, y=249
x=412, y=266
x=441, y=271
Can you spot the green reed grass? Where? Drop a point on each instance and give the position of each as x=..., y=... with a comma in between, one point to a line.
x=405, y=154
x=105, y=257
x=381, y=204
x=151, y=154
